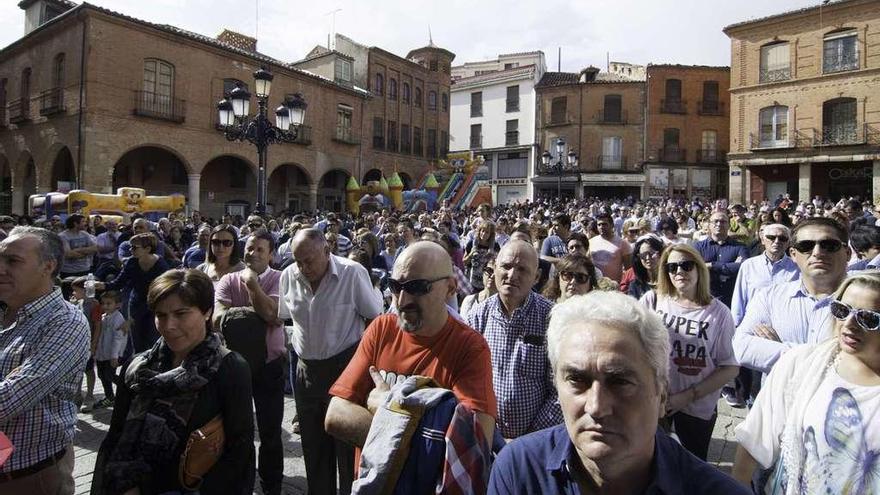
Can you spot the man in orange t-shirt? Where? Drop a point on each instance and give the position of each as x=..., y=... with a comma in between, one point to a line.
x=421, y=339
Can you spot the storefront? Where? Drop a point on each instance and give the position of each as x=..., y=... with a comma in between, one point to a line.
x=608, y=186
x=505, y=191
x=688, y=182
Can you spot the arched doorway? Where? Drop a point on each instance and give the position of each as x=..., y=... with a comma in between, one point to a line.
x=289, y=188
x=5, y=186
x=228, y=185
x=63, y=171
x=331, y=190
x=372, y=174
x=157, y=170
x=28, y=171
x=407, y=181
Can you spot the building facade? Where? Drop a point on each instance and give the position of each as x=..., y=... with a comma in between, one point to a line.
x=687, y=131
x=493, y=115
x=505, y=61
x=805, y=106
x=600, y=117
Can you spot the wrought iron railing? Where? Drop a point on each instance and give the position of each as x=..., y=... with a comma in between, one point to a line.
x=673, y=105
x=849, y=61
x=158, y=106
x=709, y=155
x=303, y=134
x=670, y=154
x=610, y=162
x=345, y=135
x=19, y=110
x=611, y=117
x=710, y=107
x=52, y=101
x=774, y=74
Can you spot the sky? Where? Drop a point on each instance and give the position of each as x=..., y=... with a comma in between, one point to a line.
x=588, y=31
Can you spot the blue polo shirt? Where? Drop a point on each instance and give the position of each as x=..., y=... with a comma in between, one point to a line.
x=538, y=463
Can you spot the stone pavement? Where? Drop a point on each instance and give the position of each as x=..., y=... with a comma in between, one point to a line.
x=92, y=427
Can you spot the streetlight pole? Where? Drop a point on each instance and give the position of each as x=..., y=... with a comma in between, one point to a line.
x=561, y=165
x=258, y=130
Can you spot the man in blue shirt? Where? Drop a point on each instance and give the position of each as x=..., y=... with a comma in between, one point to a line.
x=553, y=249
x=196, y=255
x=609, y=355
x=722, y=255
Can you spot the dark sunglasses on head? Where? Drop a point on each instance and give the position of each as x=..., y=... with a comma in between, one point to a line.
x=580, y=278
x=773, y=238
x=684, y=265
x=869, y=320
x=222, y=242
x=827, y=245
x=417, y=287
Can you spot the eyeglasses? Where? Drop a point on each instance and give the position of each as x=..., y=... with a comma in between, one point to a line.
x=488, y=271
x=684, y=265
x=827, y=245
x=869, y=320
x=648, y=255
x=580, y=278
x=417, y=287
x=774, y=238
x=222, y=242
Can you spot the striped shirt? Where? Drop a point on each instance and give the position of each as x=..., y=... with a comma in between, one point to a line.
x=42, y=357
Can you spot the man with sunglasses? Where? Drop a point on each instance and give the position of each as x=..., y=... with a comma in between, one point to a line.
x=782, y=316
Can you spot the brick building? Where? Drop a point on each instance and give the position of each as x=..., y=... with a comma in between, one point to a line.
x=140, y=109
x=600, y=116
x=687, y=131
x=805, y=108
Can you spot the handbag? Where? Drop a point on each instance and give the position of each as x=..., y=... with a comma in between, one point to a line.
x=203, y=448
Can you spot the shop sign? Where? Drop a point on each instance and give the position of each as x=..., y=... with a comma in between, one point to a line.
x=507, y=182
x=854, y=174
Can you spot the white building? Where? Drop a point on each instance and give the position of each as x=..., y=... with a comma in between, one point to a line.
x=493, y=114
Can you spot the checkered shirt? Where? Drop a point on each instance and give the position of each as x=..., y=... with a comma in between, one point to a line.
x=42, y=357
x=521, y=371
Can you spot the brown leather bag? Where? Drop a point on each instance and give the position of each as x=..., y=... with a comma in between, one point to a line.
x=203, y=448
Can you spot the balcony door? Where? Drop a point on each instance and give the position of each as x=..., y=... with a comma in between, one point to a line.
x=774, y=126
x=158, y=86
x=839, y=122
x=612, y=153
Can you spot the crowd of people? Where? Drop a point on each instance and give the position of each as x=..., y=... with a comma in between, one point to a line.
x=557, y=346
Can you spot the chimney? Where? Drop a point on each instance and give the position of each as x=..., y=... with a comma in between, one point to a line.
x=238, y=40
x=588, y=74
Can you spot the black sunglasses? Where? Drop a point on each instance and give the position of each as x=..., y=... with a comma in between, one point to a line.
x=684, y=265
x=222, y=242
x=417, y=287
x=869, y=320
x=827, y=245
x=772, y=238
x=580, y=278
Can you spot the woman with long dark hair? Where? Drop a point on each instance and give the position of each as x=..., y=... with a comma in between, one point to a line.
x=642, y=277
x=224, y=253
x=575, y=276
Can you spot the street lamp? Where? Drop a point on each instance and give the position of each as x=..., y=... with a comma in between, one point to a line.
x=563, y=164
x=238, y=125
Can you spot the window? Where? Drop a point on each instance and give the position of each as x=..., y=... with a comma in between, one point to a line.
x=432, y=100
x=343, y=70
x=671, y=137
x=476, y=136
x=432, y=143
x=392, y=136
x=230, y=84
x=417, y=141
x=709, y=147
x=710, y=104
x=612, y=153
x=159, y=80
x=392, y=89
x=477, y=104
x=671, y=151
x=406, y=94
x=509, y=66
x=418, y=97
x=672, y=102
x=511, y=136
x=512, y=99
x=558, y=110
x=840, y=51
x=673, y=89
x=444, y=102
x=774, y=127
x=405, y=139
x=343, y=123
x=839, y=123
x=433, y=65
x=58, y=71
x=775, y=62
x=612, y=111
x=444, y=144
x=380, y=85
x=378, y=133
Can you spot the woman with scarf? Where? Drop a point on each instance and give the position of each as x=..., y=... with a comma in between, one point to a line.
x=186, y=380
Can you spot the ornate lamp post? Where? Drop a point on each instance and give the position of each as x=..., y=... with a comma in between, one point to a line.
x=238, y=125
x=563, y=164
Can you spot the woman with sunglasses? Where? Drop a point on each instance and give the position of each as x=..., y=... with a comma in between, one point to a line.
x=700, y=331
x=478, y=250
x=642, y=276
x=489, y=288
x=575, y=276
x=814, y=426
x=224, y=254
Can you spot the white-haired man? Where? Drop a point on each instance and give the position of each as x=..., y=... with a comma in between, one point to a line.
x=610, y=363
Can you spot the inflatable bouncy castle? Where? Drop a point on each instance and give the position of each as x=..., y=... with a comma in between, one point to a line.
x=126, y=202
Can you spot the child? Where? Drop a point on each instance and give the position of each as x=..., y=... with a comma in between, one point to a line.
x=92, y=309
x=113, y=336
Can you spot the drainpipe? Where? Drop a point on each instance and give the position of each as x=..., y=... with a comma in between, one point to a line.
x=80, y=151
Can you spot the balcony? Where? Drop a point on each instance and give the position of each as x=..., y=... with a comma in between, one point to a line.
x=511, y=138
x=156, y=106
x=52, y=101
x=800, y=139
x=774, y=73
x=476, y=142
x=345, y=135
x=670, y=154
x=611, y=117
x=848, y=61
x=610, y=162
x=711, y=156
x=673, y=105
x=511, y=106
x=710, y=107
x=303, y=134
x=19, y=111
x=846, y=135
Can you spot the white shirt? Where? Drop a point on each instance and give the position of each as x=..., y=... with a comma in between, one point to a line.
x=331, y=319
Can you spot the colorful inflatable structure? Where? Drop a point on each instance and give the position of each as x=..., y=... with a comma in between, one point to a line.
x=126, y=201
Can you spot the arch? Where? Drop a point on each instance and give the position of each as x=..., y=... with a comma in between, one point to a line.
x=372, y=174
x=289, y=188
x=331, y=190
x=407, y=181
x=227, y=179
x=156, y=169
x=63, y=170
x=164, y=147
x=25, y=176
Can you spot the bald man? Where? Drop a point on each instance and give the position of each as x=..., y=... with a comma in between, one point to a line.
x=421, y=338
x=514, y=323
x=325, y=302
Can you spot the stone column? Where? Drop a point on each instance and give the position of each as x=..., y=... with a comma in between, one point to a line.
x=194, y=191
x=804, y=176
x=735, y=184
x=19, y=202
x=313, y=197
x=875, y=185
